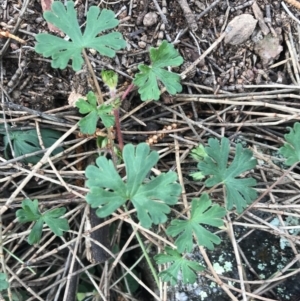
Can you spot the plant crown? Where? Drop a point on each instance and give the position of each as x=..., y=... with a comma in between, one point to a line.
x=151, y=196
x=88, y=124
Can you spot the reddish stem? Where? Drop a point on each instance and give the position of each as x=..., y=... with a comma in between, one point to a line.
x=118, y=129
x=129, y=88
x=117, y=118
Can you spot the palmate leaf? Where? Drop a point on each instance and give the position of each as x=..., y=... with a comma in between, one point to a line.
x=178, y=263
x=30, y=211
x=27, y=142
x=291, y=149
x=65, y=18
x=202, y=212
x=56, y=224
x=165, y=55
x=198, y=153
x=3, y=282
x=239, y=192
x=36, y=232
x=88, y=124
x=151, y=199
x=105, y=114
x=52, y=218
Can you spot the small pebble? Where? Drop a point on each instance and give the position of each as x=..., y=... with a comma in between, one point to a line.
x=39, y=20
x=93, y=51
x=150, y=19
x=142, y=44
x=144, y=38
x=160, y=35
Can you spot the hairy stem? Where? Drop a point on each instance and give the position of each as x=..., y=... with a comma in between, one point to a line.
x=100, y=101
x=91, y=70
x=117, y=118
x=153, y=271
x=118, y=129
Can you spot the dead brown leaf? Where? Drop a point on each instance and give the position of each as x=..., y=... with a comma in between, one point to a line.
x=268, y=49
x=240, y=29
x=260, y=17
x=73, y=97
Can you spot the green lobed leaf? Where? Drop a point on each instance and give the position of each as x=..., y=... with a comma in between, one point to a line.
x=165, y=55
x=36, y=232
x=102, y=177
x=30, y=213
x=239, y=192
x=104, y=112
x=55, y=213
x=150, y=198
x=197, y=176
x=84, y=107
x=291, y=149
x=65, y=18
x=138, y=162
x=27, y=142
x=88, y=124
x=3, y=282
x=147, y=198
x=56, y=224
x=202, y=212
x=198, y=153
x=133, y=285
x=147, y=79
x=92, y=99
x=178, y=264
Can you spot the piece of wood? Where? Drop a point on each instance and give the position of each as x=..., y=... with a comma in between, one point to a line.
x=96, y=254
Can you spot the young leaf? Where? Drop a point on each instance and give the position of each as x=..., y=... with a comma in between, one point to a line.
x=3, y=282
x=291, y=149
x=56, y=224
x=65, y=19
x=178, y=264
x=88, y=124
x=102, y=144
x=104, y=112
x=197, y=176
x=87, y=106
x=239, y=192
x=202, y=212
x=36, y=232
x=27, y=142
x=151, y=198
x=146, y=79
x=198, y=153
x=110, y=78
x=30, y=213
